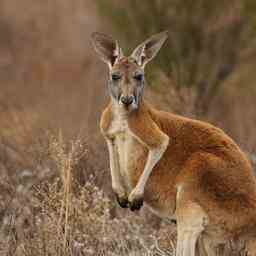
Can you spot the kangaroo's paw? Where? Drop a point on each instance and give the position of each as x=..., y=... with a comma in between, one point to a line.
x=122, y=200
x=135, y=200
x=121, y=195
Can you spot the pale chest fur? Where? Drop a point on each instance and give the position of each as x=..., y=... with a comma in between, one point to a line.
x=127, y=145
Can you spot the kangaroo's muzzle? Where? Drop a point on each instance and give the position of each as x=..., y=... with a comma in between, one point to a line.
x=127, y=100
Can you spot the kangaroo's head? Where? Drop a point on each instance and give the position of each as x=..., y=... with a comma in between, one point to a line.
x=126, y=74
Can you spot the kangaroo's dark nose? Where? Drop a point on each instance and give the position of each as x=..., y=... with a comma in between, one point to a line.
x=127, y=100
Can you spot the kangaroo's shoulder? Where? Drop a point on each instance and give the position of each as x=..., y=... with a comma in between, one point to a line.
x=144, y=127
x=106, y=118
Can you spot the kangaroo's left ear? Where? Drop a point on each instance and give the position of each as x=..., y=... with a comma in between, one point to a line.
x=149, y=48
x=107, y=48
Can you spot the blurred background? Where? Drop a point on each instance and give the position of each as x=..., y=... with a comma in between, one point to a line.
x=53, y=84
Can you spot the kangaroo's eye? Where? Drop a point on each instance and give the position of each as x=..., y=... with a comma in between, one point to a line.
x=115, y=77
x=138, y=77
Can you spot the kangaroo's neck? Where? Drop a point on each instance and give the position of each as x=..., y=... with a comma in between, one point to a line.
x=119, y=111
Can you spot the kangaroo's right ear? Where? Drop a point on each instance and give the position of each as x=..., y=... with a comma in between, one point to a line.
x=146, y=51
x=107, y=48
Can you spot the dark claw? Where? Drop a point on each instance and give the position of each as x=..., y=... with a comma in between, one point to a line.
x=122, y=201
x=136, y=204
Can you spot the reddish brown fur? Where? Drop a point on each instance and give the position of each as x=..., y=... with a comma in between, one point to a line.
x=203, y=159
x=106, y=119
x=181, y=167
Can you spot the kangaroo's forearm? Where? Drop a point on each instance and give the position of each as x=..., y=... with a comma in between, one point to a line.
x=154, y=139
x=154, y=156
x=114, y=167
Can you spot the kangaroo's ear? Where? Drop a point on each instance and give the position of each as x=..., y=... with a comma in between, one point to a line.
x=107, y=48
x=149, y=48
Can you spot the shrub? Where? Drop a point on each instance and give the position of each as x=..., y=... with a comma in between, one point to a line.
x=205, y=43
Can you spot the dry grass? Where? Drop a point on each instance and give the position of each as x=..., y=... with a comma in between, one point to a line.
x=58, y=216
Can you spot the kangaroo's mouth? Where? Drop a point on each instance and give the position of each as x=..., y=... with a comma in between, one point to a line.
x=129, y=108
x=128, y=102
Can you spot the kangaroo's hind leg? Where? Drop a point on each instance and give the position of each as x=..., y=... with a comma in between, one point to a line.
x=191, y=220
x=187, y=239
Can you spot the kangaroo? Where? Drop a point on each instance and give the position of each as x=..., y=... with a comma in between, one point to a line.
x=183, y=169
